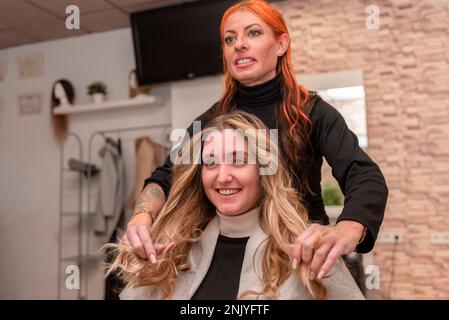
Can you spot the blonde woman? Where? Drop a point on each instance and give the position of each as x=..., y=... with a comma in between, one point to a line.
x=228, y=226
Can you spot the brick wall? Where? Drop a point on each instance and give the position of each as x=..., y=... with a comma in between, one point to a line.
x=406, y=78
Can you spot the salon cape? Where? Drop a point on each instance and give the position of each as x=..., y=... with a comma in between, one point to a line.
x=340, y=284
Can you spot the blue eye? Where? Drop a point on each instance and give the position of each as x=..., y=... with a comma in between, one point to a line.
x=209, y=161
x=239, y=161
x=210, y=165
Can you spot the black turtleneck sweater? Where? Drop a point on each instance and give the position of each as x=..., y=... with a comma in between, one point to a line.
x=360, y=179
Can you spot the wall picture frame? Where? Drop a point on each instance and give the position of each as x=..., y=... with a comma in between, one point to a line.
x=30, y=66
x=30, y=104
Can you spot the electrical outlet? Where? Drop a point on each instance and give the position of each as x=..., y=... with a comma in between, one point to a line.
x=439, y=238
x=389, y=237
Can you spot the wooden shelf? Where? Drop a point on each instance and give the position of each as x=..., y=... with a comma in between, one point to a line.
x=108, y=105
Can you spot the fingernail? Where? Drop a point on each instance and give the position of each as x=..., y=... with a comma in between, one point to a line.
x=321, y=274
x=295, y=263
x=312, y=275
x=153, y=259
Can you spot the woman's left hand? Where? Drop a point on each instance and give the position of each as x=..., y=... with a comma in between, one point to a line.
x=321, y=246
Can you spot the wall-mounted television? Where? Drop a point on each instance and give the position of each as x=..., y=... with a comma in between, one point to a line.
x=178, y=42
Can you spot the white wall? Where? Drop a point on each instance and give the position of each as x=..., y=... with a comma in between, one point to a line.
x=194, y=97
x=29, y=156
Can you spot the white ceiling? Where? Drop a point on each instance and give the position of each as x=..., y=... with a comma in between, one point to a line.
x=28, y=21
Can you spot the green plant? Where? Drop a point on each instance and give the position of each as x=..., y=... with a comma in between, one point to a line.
x=332, y=195
x=96, y=87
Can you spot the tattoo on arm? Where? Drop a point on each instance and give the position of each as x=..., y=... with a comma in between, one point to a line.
x=155, y=192
x=151, y=193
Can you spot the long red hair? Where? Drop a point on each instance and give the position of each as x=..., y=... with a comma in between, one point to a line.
x=296, y=123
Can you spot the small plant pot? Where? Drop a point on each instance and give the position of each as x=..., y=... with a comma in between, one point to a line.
x=98, y=97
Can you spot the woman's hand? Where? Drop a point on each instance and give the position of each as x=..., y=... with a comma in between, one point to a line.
x=321, y=246
x=138, y=236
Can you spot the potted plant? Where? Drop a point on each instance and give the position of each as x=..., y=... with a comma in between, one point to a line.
x=97, y=91
x=333, y=200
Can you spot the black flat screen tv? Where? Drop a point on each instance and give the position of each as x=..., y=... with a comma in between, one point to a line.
x=178, y=42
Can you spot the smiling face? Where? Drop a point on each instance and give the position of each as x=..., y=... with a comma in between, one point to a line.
x=251, y=49
x=229, y=181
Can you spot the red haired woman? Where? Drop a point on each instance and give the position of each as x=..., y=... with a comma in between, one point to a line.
x=259, y=79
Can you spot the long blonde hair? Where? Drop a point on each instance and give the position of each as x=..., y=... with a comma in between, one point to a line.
x=187, y=212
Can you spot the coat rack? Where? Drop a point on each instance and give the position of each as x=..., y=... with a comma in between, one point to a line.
x=83, y=258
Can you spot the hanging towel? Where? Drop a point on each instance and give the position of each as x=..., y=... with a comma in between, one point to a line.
x=111, y=190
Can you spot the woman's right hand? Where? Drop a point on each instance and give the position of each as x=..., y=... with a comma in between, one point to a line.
x=138, y=237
